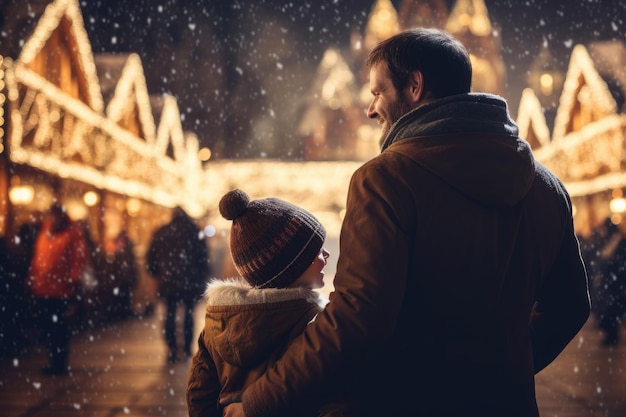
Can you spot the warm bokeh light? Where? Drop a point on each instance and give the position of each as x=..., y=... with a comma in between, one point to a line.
x=21, y=194
x=618, y=205
x=91, y=198
x=133, y=206
x=546, y=81
x=204, y=154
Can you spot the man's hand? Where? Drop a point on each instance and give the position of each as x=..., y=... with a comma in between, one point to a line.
x=234, y=410
x=232, y=405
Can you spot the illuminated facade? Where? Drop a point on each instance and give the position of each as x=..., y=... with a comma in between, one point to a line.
x=586, y=148
x=108, y=161
x=84, y=128
x=56, y=120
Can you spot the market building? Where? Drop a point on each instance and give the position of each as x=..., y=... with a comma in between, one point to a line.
x=586, y=147
x=82, y=130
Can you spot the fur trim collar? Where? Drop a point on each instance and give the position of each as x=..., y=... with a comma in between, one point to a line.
x=236, y=291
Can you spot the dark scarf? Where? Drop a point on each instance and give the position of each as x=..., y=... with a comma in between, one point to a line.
x=471, y=112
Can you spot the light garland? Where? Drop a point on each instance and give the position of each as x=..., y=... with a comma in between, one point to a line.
x=57, y=133
x=588, y=159
x=382, y=23
x=470, y=16
x=50, y=22
x=52, y=131
x=530, y=117
x=131, y=90
x=581, y=72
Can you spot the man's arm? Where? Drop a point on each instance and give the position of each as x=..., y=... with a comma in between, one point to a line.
x=234, y=410
x=563, y=304
x=203, y=386
x=363, y=309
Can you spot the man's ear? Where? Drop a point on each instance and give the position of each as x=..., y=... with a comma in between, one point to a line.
x=415, y=88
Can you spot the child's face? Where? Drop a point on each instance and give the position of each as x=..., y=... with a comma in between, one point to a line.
x=313, y=277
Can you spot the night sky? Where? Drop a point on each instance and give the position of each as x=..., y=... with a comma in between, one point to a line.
x=241, y=69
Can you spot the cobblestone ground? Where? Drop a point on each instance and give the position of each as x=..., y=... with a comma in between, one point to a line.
x=122, y=371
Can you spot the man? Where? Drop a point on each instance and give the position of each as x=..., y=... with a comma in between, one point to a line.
x=459, y=275
x=178, y=258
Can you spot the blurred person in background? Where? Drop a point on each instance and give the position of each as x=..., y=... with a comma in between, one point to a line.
x=16, y=316
x=604, y=253
x=60, y=257
x=118, y=274
x=178, y=258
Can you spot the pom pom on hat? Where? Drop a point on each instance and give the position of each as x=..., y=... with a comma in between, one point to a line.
x=234, y=204
x=272, y=242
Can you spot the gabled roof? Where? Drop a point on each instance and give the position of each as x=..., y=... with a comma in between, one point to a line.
x=334, y=87
x=170, y=138
x=469, y=16
x=585, y=95
x=382, y=23
x=422, y=13
x=609, y=58
x=64, y=18
x=124, y=86
x=55, y=79
x=531, y=121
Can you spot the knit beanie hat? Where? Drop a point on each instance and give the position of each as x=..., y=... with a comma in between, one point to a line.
x=272, y=242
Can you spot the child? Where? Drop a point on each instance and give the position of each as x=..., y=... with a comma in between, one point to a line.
x=277, y=249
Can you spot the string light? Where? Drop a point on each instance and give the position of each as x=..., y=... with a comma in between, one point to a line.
x=469, y=15
x=588, y=158
x=62, y=135
x=581, y=71
x=530, y=116
x=91, y=198
x=382, y=23
x=21, y=194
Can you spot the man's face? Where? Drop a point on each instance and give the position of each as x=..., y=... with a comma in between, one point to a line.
x=388, y=104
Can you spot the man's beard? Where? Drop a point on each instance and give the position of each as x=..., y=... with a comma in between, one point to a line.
x=396, y=110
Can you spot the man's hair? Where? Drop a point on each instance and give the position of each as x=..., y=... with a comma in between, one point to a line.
x=442, y=60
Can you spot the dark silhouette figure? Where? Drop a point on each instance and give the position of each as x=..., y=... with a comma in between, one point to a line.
x=605, y=258
x=178, y=258
x=11, y=319
x=16, y=253
x=118, y=276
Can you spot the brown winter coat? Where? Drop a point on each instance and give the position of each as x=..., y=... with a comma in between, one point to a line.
x=245, y=331
x=459, y=276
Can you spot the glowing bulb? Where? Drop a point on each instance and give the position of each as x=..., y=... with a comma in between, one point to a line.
x=21, y=194
x=618, y=205
x=91, y=198
x=133, y=206
x=204, y=154
x=546, y=81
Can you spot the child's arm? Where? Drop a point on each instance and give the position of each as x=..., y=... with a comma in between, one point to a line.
x=203, y=386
